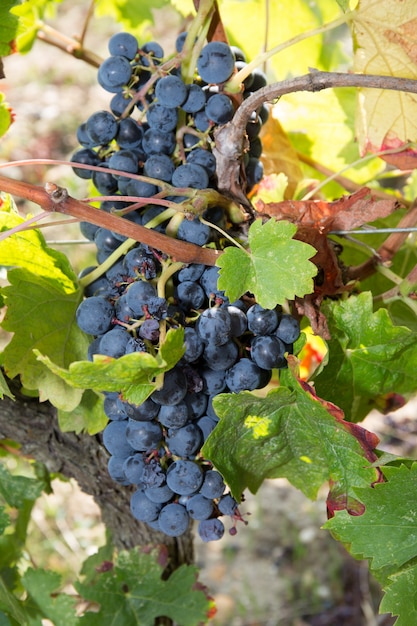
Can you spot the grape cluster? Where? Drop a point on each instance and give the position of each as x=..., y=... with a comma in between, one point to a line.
x=229, y=347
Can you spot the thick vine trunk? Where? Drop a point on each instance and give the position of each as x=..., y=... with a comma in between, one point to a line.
x=34, y=425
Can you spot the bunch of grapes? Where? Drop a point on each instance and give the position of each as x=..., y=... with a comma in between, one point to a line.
x=162, y=128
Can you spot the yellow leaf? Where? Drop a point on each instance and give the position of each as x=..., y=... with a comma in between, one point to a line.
x=279, y=156
x=385, y=32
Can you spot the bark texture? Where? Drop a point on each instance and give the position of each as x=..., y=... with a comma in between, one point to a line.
x=34, y=425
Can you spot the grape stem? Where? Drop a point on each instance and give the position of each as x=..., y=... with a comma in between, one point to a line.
x=177, y=250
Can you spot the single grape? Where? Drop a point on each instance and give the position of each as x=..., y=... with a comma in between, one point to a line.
x=138, y=294
x=227, y=505
x=190, y=175
x=145, y=412
x=94, y=315
x=195, y=100
x=160, y=495
x=101, y=127
x=174, y=416
x=193, y=345
x=157, y=142
x=194, y=231
x=268, y=352
x=173, y=520
x=159, y=166
x=114, y=73
x=113, y=342
x=150, y=330
x=221, y=357
x=213, y=485
x=114, y=439
x=216, y=62
x=206, y=424
x=133, y=468
x=124, y=161
x=171, y=91
x=143, y=436
x=211, y=529
x=173, y=389
x=190, y=295
x=113, y=409
x=244, y=375
x=185, y=441
x=215, y=326
x=288, y=329
x=129, y=134
x=219, y=109
x=162, y=117
x=184, y=477
x=199, y=507
x=202, y=157
x=115, y=469
x=191, y=272
x=261, y=321
x=214, y=381
x=123, y=44
x=142, y=508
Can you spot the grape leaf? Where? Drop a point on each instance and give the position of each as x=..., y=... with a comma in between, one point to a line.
x=368, y=357
x=30, y=14
x=8, y=26
x=133, y=593
x=5, y=116
x=16, y=489
x=134, y=16
x=28, y=249
x=132, y=374
x=10, y=604
x=44, y=602
x=290, y=434
x=386, y=46
x=401, y=597
x=276, y=269
x=4, y=520
x=385, y=534
x=88, y=416
x=42, y=315
x=4, y=388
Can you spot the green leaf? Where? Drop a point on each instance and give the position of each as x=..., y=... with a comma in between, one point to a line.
x=8, y=26
x=17, y=489
x=5, y=117
x=132, y=374
x=88, y=416
x=401, y=597
x=290, y=434
x=10, y=605
x=4, y=520
x=28, y=250
x=43, y=600
x=95, y=564
x=133, y=593
x=276, y=269
x=4, y=388
x=368, y=357
x=42, y=316
x=385, y=534
x=134, y=16
x=30, y=14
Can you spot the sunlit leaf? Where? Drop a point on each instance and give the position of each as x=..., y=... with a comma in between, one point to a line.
x=386, y=41
x=277, y=267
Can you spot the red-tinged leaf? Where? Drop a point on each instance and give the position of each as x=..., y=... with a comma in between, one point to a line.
x=346, y=213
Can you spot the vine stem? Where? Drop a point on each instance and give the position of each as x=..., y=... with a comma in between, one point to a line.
x=230, y=139
x=71, y=46
x=63, y=203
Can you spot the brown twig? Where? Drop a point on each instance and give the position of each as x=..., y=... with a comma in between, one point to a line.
x=231, y=141
x=177, y=250
x=69, y=45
